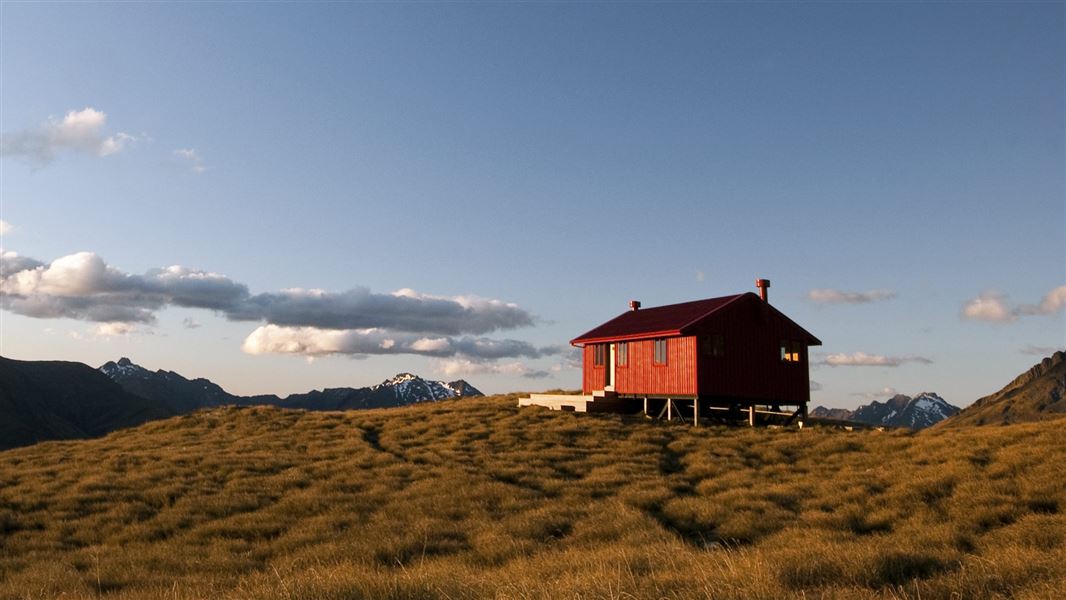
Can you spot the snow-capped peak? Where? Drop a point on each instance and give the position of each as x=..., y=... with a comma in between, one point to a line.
x=933, y=405
x=398, y=379
x=123, y=368
x=409, y=388
x=918, y=412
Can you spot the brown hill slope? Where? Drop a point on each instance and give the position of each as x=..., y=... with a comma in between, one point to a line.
x=479, y=499
x=1036, y=395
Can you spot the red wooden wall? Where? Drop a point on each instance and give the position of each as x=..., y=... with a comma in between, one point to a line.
x=592, y=377
x=642, y=376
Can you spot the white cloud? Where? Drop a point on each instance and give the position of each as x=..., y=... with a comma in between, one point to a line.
x=700, y=275
x=82, y=286
x=993, y=306
x=5, y=227
x=79, y=131
x=989, y=306
x=190, y=323
x=461, y=367
x=1052, y=302
x=834, y=296
x=815, y=386
x=114, y=329
x=191, y=158
x=862, y=359
x=314, y=341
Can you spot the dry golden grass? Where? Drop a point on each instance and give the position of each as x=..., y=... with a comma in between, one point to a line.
x=477, y=499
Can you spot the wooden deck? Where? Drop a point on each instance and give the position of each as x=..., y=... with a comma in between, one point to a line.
x=596, y=402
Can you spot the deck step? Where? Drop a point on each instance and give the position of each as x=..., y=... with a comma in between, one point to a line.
x=597, y=402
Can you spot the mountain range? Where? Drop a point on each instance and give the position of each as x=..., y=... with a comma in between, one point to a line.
x=56, y=400
x=184, y=395
x=924, y=410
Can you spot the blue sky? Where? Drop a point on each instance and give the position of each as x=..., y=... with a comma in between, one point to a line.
x=560, y=158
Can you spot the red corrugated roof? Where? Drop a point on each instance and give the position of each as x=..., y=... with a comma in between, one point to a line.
x=660, y=321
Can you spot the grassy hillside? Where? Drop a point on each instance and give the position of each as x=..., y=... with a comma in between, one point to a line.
x=476, y=499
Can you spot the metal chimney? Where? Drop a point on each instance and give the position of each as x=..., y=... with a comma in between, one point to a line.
x=634, y=305
x=763, y=285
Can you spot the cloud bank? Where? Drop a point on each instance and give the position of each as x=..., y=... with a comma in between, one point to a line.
x=5, y=227
x=79, y=131
x=834, y=296
x=862, y=359
x=312, y=341
x=82, y=286
x=356, y=322
x=993, y=306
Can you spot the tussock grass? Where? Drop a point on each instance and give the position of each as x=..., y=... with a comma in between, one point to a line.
x=477, y=499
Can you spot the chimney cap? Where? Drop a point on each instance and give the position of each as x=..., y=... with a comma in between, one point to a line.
x=634, y=304
x=763, y=285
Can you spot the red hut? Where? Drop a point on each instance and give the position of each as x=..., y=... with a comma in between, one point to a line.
x=734, y=353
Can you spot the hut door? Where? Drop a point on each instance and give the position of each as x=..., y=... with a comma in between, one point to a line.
x=609, y=371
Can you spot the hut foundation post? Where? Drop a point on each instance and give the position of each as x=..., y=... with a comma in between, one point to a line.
x=669, y=409
x=751, y=415
x=696, y=412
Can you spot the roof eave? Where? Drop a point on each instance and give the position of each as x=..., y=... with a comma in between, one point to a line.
x=627, y=337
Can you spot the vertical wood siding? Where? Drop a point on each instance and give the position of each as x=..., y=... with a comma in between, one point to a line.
x=752, y=367
x=642, y=376
x=593, y=377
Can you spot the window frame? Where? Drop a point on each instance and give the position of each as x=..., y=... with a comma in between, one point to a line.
x=599, y=355
x=791, y=351
x=713, y=345
x=660, y=357
x=621, y=354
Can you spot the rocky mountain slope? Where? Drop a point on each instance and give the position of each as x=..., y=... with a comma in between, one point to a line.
x=53, y=400
x=401, y=390
x=1036, y=395
x=180, y=394
x=924, y=410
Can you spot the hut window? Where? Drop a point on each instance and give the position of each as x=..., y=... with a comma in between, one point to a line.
x=599, y=355
x=790, y=351
x=660, y=352
x=622, y=352
x=714, y=345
